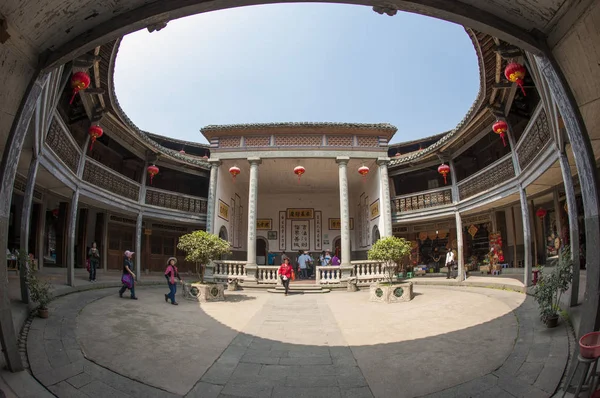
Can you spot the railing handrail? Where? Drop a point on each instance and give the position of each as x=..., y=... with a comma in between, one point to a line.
x=268, y=266
x=359, y=262
x=505, y=158
x=175, y=193
x=230, y=261
x=429, y=191
x=65, y=131
x=115, y=173
x=530, y=124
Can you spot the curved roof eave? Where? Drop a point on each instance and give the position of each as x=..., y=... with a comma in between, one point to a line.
x=144, y=135
x=471, y=113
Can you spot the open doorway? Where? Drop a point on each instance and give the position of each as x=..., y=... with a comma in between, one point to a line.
x=261, y=250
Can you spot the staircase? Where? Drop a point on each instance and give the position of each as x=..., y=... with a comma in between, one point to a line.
x=300, y=288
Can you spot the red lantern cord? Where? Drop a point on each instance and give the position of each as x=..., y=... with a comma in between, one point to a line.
x=95, y=132
x=515, y=73
x=444, y=169
x=500, y=127
x=79, y=81
x=234, y=171
x=299, y=170
x=152, y=171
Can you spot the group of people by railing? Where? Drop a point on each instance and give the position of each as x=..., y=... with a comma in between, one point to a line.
x=305, y=263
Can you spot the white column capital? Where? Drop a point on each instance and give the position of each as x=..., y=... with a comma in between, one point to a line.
x=384, y=161
x=214, y=163
x=254, y=161
x=342, y=160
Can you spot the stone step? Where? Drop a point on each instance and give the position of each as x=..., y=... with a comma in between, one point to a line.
x=296, y=291
x=297, y=286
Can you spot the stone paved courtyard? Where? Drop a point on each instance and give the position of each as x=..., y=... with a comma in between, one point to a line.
x=447, y=342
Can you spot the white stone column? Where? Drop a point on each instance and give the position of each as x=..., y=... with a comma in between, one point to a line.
x=138, y=246
x=386, y=200
x=71, y=228
x=212, y=195
x=460, y=258
x=342, y=162
x=573, y=224
x=526, y=237
x=454, y=189
x=251, y=266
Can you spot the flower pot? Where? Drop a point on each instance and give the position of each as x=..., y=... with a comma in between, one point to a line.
x=43, y=312
x=589, y=345
x=551, y=321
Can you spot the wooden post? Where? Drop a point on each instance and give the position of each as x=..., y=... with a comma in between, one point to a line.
x=534, y=233
x=526, y=237
x=515, y=254
x=25, y=227
x=70, y=238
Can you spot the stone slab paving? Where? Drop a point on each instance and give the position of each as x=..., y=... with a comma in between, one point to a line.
x=447, y=342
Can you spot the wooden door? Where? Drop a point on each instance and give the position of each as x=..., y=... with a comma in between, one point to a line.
x=120, y=238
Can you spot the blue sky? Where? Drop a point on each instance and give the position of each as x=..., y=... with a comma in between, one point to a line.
x=298, y=63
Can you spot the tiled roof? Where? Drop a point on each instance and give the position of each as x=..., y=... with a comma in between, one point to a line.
x=258, y=126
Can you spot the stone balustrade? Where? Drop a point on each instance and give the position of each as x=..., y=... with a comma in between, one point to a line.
x=268, y=274
x=330, y=274
x=369, y=271
x=224, y=270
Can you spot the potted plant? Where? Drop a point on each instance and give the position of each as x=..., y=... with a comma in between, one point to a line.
x=39, y=291
x=391, y=251
x=550, y=287
x=201, y=248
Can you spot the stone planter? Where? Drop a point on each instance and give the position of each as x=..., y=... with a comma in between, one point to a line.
x=394, y=293
x=232, y=286
x=352, y=285
x=43, y=312
x=204, y=292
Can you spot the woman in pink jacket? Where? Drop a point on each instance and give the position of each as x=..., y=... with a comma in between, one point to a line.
x=171, y=273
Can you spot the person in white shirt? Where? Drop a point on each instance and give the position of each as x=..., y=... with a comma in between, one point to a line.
x=325, y=258
x=303, y=262
x=449, y=263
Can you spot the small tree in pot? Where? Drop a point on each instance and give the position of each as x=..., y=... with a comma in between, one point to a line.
x=201, y=248
x=391, y=251
x=551, y=286
x=39, y=291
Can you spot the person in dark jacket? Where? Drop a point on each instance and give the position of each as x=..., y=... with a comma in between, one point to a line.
x=94, y=257
x=285, y=272
x=171, y=273
x=128, y=277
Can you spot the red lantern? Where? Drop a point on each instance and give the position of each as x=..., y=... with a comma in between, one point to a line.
x=363, y=171
x=515, y=73
x=234, y=171
x=182, y=152
x=501, y=258
x=541, y=213
x=152, y=171
x=299, y=170
x=79, y=81
x=95, y=132
x=55, y=213
x=398, y=154
x=500, y=127
x=444, y=169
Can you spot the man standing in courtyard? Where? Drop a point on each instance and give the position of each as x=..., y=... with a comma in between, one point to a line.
x=449, y=262
x=303, y=262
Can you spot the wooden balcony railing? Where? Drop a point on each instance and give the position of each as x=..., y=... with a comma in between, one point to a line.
x=534, y=139
x=422, y=200
x=63, y=144
x=101, y=176
x=493, y=175
x=175, y=201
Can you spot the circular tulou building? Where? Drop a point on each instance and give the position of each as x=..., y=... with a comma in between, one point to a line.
x=511, y=185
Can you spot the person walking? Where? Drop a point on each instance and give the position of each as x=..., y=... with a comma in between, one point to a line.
x=325, y=258
x=171, y=273
x=303, y=262
x=94, y=257
x=128, y=277
x=285, y=272
x=449, y=263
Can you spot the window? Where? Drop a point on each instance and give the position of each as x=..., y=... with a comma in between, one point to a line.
x=168, y=246
x=375, y=235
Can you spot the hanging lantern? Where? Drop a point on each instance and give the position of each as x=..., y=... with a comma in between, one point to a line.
x=234, y=171
x=501, y=258
x=205, y=157
x=363, y=171
x=515, y=73
x=444, y=169
x=55, y=213
x=79, y=81
x=95, y=132
x=299, y=170
x=500, y=127
x=182, y=152
x=398, y=154
x=152, y=171
x=541, y=213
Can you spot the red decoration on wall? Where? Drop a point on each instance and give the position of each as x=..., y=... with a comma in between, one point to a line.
x=95, y=132
x=363, y=171
x=515, y=73
x=152, y=171
x=79, y=81
x=299, y=170
x=234, y=171
x=500, y=127
x=541, y=213
x=444, y=169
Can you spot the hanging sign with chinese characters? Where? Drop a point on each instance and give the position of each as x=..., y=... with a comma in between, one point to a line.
x=300, y=235
x=300, y=214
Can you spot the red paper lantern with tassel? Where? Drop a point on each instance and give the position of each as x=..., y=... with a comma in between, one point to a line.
x=444, y=169
x=299, y=170
x=515, y=73
x=95, y=132
x=500, y=127
x=363, y=171
x=541, y=213
x=152, y=171
x=79, y=81
x=234, y=171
